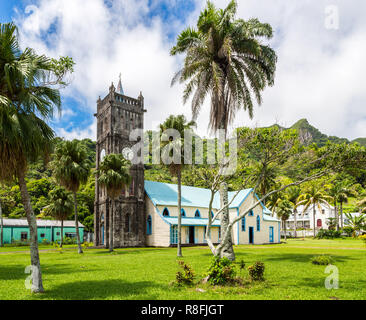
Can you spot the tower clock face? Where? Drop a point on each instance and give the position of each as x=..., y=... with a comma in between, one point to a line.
x=102, y=155
x=127, y=153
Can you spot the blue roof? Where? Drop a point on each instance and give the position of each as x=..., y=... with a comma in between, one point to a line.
x=166, y=194
x=191, y=221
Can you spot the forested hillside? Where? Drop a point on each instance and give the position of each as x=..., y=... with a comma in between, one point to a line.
x=41, y=182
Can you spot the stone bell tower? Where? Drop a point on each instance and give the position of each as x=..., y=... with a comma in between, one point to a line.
x=117, y=115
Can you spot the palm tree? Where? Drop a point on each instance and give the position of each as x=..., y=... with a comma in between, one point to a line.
x=71, y=168
x=314, y=196
x=226, y=60
x=61, y=207
x=334, y=191
x=26, y=103
x=357, y=223
x=265, y=177
x=346, y=190
x=274, y=201
x=284, y=211
x=171, y=147
x=293, y=194
x=113, y=174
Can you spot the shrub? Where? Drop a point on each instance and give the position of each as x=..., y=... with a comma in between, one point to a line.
x=328, y=234
x=256, y=271
x=45, y=241
x=186, y=276
x=68, y=240
x=363, y=238
x=87, y=244
x=322, y=260
x=221, y=271
x=348, y=231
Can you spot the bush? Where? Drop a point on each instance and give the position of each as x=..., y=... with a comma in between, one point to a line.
x=256, y=271
x=221, y=271
x=68, y=240
x=322, y=260
x=87, y=244
x=186, y=276
x=328, y=234
x=45, y=241
x=348, y=231
x=363, y=238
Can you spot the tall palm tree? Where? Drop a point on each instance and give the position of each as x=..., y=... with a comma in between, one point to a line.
x=284, y=211
x=171, y=147
x=314, y=196
x=26, y=103
x=274, y=201
x=113, y=174
x=61, y=207
x=226, y=60
x=293, y=194
x=346, y=191
x=334, y=191
x=357, y=223
x=71, y=168
x=265, y=177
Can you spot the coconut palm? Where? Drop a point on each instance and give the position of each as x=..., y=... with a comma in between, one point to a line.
x=113, y=174
x=357, y=223
x=334, y=191
x=226, y=60
x=175, y=146
x=314, y=196
x=346, y=191
x=284, y=212
x=265, y=177
x=71, y=168
x=26, y=103
x=62, y=205
x=274, y=201
x=293, y=194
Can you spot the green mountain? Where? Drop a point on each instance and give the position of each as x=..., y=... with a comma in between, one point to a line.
x=309, y=134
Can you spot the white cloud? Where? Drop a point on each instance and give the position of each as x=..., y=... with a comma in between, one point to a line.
x=319, y=76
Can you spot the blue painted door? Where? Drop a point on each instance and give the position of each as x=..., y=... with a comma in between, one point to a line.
x=251, y=235
x=271, y=234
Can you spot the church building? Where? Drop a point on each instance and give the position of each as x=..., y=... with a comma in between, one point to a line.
x=146, y=213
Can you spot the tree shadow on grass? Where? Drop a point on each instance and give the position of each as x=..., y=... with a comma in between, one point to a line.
x=302, y=257
x=128, y=251
x=100, y=290
x=16, y=272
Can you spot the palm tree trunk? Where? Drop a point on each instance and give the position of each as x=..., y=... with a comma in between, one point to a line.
x=80, y=250
x=284, y=228
x=179, y=245
x=111, y=226
x=314, y=219
x=295, y=222
x=62, y=233
x=1, y=227
x=227, y=248
x=341, y=205
x=336, y=215
x=37, y=285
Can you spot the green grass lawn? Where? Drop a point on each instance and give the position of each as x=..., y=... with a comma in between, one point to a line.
x=147, y=273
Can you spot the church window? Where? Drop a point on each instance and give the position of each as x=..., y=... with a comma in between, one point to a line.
x=149, y=226
x=197, y=214
x=166, y=212
x=183, y=212
x=258, y=223
x=243, y=224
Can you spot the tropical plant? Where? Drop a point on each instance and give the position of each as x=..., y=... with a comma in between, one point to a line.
x=346, y=190
x=314, y=196
x=356, y=222
x=334, y=191
x=27, y=101
x=293, y=194
x=284, y=211
x=71, y=168
x=61, y=207
x=113, y=174
x=174, y=156
x=226, y=60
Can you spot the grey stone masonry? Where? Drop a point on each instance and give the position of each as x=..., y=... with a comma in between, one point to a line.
x=117, y=115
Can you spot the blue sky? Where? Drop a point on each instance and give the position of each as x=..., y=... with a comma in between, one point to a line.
x=320, y=45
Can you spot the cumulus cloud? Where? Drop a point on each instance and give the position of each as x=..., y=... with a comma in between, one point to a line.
x=319, y=74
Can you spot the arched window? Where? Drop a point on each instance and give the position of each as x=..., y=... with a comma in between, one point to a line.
x=149, y=226
x=243, y=224
x=251, y=213
x=166, y=212
x=197, y=214
x=183, y=212
x=258, y=223
x=127, y=223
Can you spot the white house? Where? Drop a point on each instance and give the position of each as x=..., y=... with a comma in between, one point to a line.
x=305, y=218
x=258, y=227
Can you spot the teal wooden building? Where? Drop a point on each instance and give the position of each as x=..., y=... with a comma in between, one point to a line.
x=48, y=230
